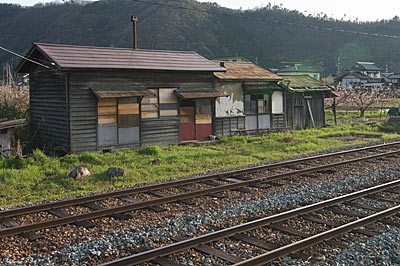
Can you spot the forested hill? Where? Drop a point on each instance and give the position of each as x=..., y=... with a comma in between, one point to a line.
x=107, y=23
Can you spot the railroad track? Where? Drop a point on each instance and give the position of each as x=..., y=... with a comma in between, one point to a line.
x=269, y=251
x=182, y=191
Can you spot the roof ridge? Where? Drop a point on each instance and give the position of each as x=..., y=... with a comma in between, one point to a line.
x=114, y=48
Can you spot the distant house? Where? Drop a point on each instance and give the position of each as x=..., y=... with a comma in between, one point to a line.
x=299, y=70
x=394, y=79
x=103, y=99
x=254, y=99
x=305, y=102
x=330, y=79
x=368, y=69
x=353, y=78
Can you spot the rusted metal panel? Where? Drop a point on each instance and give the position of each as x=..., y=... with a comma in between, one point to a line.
x=187, y=131
x=87, y=57
x=203, y=131
x=244, y=71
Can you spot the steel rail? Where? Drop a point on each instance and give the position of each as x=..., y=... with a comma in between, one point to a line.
x=224, y=233
x=114, y=194
x=144, y=204
x=316, y=239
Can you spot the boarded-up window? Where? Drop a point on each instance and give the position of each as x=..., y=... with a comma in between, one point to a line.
x=107, y=111
x=168, y=102
x=150, y=105
x=107, y=121
x=203, y=111
x=128, y=112
x=277, y=102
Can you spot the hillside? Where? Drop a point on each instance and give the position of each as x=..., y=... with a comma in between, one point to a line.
x=107, y=23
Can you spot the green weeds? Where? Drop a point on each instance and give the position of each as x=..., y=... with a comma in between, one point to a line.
x=40, y=176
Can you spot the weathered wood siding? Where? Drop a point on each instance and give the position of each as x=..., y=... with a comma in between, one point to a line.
x=163, y=130
x=48, y=108
x=317, y=109
x=298, y=116
x=278, y=121
x=229, y=126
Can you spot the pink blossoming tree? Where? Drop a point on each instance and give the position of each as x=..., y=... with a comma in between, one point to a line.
x=362, y=97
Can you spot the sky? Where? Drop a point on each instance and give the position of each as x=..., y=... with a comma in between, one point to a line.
x=347, y=9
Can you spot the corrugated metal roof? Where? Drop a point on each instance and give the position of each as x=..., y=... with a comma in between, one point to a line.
x=121, y=92
x=198, y=93
x=244, y=71
x=303, y=82
x=90, y=57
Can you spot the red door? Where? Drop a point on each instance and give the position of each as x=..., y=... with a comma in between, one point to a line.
x=187, y=123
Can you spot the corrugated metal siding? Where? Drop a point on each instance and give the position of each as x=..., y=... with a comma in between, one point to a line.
x=48, y=106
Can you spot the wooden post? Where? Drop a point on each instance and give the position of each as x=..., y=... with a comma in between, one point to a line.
x=334, y=110
x=134, y=20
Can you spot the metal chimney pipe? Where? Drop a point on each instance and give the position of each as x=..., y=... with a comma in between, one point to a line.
x=134, y=20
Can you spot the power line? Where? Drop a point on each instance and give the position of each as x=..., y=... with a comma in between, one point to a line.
x=272, y=21
x=21, y=56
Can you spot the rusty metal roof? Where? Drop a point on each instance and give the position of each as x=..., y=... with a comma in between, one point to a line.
x=198, y=93
x=120, y=92
x=244, y=71
x=90, y=57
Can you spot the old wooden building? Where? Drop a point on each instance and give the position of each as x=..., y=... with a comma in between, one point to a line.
x=97, y=99
x=254, y=99
x=305, y=102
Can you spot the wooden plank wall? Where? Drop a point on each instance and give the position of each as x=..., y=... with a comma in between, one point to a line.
x=278, y=121
x=228, y=126
x=158, y=130
x=48, y=106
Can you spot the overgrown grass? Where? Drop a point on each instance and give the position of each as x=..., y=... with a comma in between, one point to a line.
x=352, y=115
x=40, y=176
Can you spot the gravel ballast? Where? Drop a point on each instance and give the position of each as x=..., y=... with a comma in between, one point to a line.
x=120, y=243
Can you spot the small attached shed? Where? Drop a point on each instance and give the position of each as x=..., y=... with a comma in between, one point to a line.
x=254, y=99
x=86, y=98
x=305, y=102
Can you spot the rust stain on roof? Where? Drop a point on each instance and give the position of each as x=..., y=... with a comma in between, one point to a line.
x=90, y=57
x=244, y=71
